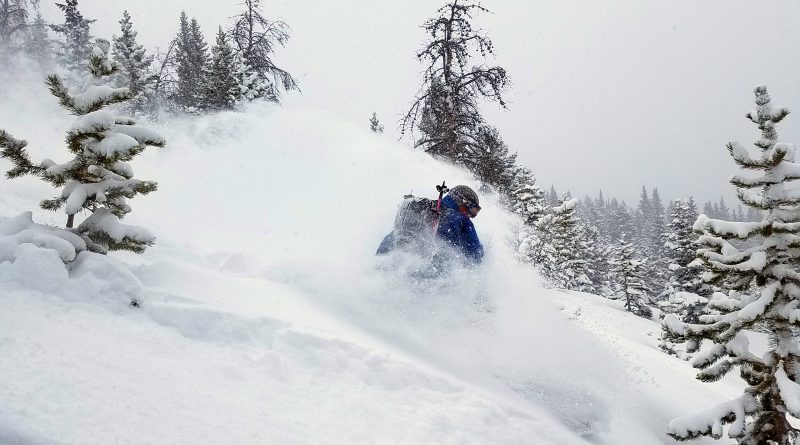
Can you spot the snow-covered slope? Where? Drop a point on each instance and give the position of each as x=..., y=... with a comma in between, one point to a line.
x=266, y=317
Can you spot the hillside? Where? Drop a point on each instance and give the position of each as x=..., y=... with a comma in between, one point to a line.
x=266, y=318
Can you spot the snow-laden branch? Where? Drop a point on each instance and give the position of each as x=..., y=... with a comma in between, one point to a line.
x=711, y=421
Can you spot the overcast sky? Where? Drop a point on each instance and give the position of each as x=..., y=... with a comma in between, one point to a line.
x=605, y=94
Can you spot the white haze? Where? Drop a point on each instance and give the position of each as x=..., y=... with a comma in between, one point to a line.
x=610, y=94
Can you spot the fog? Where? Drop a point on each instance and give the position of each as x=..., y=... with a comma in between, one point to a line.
x=610, y=95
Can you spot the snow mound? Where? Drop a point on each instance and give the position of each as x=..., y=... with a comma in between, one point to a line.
x=21, y=230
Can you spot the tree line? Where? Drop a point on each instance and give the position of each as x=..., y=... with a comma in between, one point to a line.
x=187, y=76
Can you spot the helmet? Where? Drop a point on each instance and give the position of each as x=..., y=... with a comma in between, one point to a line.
x=464, y=195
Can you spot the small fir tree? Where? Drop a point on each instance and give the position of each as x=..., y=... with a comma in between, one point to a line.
x=619, y=222
x=643, y=221
x=222, y=90
x=632, y=287
x=134, y=64
x=525, y=198
x=657, y=272
x=595, y=253
x=374, y=124
x=76, y=44
x=38, y=45
x=99, y=178
x=708, y=210
x=490, y=160
x=681, y=251
x=191, y=58
x=251, y=86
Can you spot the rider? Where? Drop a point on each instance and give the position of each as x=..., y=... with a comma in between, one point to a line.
x=455, y=226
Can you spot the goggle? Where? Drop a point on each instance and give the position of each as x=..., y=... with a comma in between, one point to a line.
x=472, y=208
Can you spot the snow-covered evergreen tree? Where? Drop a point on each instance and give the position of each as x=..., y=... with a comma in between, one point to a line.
x=593, y=254
x=685, y=294
x=687, y=306
x=525, y=198
x=552, y=197
x=554, y=246
x=374, y=124
x=222, y=85
x=681, y=251
x=38, y=45
x=619, y=222
x=708, y=210
x=643, y=220
x=76, y=38
x=759, y=416
x=490, y=160
x=133, y=62
x=657, y=224
x=98, y=178
x=631, y=285
x=723, y=211
x=251, y=85
x=191, y=58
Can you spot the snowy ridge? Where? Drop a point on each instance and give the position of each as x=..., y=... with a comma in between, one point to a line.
x=266, y=317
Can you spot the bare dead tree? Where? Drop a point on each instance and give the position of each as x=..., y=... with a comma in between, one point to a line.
x=256, y=37
x=166, y=80
x=445, y=107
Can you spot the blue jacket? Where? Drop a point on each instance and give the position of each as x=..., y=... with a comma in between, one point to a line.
x=457, y=228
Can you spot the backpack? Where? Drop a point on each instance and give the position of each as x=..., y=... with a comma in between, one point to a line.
x=415, y=223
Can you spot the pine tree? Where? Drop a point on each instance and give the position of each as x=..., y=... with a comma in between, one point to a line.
x=446, y=108
x=491, y=161
x=255, y=39
x=620, y=222
x=38, y=45
x=709, y=211
x=76, y=47
x=555, y=245
x=525, y=198
x=222, y=89
x=759, y=416
x=680, y=247
x=191, y=60
x=643, y=221
x=723, y=211
x=374, y=124
x=99, y=178
x=657, y=270
x=250, y=86
x=134, y=65
x=631, y=284
x=593, y=255
x=552, y=196
x=685, y=294
x=657, y=224
x=14, y=23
